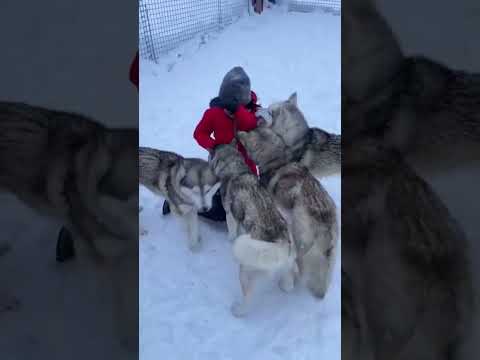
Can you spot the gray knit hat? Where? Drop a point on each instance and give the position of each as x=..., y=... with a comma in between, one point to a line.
x=235, y=87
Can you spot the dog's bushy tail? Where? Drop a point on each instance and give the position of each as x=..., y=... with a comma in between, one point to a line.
x=262, y=255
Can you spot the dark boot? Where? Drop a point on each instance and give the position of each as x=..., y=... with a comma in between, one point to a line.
x=65, y=248
x=216, y=212
x=166, y=208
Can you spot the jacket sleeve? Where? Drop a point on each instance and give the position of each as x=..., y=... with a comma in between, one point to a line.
x=246, y=120
x=203, y=131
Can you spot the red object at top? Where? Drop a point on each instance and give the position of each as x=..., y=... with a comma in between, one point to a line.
x=217, y=123
x=254, y=100
x=134, y=71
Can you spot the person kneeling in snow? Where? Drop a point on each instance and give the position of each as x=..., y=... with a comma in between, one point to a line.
x=234, y=109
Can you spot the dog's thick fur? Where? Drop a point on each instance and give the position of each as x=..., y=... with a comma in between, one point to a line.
x=262, y=242
x=405, y=256
x=317, y=149
x=401, y=114
x=84, y=175
x=308, y=207
x=427, y=111
x=188, y=184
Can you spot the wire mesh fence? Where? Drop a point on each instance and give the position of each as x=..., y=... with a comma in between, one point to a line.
x=333, y=6
x=164, y=24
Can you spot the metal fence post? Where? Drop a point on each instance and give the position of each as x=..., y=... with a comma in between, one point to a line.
x=220, y=20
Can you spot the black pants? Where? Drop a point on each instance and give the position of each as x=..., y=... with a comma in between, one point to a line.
x=216, y=212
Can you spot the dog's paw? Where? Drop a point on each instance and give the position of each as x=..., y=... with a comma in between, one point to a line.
x=238, y=309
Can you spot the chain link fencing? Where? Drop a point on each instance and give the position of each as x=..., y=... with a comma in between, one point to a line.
x=333, y=6
x=165, y=24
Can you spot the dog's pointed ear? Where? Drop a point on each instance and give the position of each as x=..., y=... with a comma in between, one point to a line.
x=235, y=141
x=293, y=98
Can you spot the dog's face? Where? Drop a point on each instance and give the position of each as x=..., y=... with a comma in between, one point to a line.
x=283, y=111
x=202, y=195
x=277, y=109
x=288, y=121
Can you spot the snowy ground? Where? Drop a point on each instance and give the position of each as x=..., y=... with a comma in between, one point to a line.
x=185, y=298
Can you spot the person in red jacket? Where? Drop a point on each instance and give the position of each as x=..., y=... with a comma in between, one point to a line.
x=231, y=111
x=223, y=121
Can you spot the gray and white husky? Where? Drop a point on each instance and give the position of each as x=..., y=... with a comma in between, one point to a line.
x=262, y=242
x=188, y=184
x=308, y=207
x=318, y=150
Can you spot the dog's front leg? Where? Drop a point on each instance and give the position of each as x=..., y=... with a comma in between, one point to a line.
x=193, y=231
x=232, y=227
x=247, y=280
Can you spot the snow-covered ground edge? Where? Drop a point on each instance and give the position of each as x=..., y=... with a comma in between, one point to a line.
x=185, y=298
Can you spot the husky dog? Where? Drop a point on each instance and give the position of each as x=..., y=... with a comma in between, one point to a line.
x=262, y=242
x=317, y=149
x=188, y=184
x=84, y=175
x=308, y=207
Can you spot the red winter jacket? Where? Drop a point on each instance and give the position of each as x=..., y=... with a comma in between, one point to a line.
x=216, y=122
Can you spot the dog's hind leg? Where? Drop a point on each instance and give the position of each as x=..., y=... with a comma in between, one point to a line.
x=194, y=242
x=247, y=281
